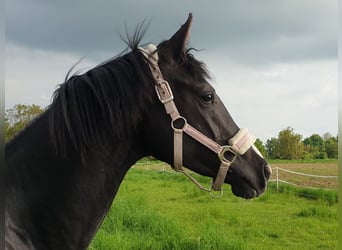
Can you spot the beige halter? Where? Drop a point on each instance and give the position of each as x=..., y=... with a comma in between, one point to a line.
x=237, y=145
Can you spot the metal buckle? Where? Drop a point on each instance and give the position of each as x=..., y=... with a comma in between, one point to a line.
x=164, y=91
x=222, y=154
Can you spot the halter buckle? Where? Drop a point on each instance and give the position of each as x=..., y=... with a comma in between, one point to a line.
x=164, y=91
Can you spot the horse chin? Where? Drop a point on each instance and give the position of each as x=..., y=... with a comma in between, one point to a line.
x=246, y=192
x=244, y=186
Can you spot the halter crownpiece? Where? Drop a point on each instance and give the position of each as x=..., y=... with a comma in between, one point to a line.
x=150, y=52
x=237, y=145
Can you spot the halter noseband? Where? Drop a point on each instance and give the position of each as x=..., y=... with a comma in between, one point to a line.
x=237, y=145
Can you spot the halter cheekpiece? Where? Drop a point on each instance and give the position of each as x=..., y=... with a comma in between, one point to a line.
x=237, y=145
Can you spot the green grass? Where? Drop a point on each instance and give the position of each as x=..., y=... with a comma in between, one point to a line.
x=159, y=210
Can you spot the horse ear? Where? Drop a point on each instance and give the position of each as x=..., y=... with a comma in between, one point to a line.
x=178, y=42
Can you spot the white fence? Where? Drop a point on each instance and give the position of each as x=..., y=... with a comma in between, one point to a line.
x=160, y=166
x=279, y=180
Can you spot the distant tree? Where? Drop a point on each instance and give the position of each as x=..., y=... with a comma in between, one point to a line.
x=272, y=146
x=290, y=144
x=315, y=141
x=260, y=146
x=18, y=117
x=331, y=147
x=315, y=146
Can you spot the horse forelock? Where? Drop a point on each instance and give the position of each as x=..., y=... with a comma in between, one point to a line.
x=195, y=66
x=195, y=69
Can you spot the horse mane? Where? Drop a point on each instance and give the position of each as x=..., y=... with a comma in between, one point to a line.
x=107, y=102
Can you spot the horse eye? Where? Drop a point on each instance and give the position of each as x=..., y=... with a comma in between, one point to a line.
x=208, y=98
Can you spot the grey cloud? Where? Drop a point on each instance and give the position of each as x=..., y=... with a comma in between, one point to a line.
x=249, y=32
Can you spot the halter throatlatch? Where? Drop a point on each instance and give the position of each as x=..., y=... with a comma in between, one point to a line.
x=237, y=145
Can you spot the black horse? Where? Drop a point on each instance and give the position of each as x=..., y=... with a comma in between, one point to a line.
x=64, y=169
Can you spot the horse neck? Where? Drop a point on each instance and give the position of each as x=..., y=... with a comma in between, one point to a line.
x=59, y=203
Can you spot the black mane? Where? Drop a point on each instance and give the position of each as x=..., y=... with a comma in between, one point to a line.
x=103, y=103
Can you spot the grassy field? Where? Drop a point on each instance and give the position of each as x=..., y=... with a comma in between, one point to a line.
x=162, y=210
x=318, y=168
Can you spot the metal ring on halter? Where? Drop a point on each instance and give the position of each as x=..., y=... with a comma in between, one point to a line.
x=215, y=196
x=178, y=128
x=222, y=154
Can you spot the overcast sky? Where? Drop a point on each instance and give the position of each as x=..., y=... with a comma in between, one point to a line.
x=274, y=62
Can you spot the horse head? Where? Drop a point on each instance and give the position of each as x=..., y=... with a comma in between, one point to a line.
x=191, y=127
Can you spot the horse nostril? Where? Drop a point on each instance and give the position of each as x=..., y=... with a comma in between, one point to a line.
x=267, y=171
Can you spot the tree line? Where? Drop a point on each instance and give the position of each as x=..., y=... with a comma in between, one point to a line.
x=288, y=145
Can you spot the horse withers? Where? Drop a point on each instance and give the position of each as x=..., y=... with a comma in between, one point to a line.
x=64, y=170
